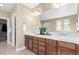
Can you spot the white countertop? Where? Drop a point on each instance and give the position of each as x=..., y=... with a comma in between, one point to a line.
x=71, y=39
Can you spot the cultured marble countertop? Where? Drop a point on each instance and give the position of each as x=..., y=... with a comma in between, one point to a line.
x=71, y=39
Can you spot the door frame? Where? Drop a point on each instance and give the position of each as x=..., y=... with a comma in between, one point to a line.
x=13, y=29
x=8, y=31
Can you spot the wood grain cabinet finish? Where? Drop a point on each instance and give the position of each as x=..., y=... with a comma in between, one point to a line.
x=41, y=52
x=51, y=47
x=59, y=50
x=30, y=43
x=77, y=50
x=27, y=41
x=35, y=45
x=43, y=46
x=65, y=48
x=35, y=50
x=66, y=51
x=35, y=41
x=66, y=45
x=42, y=40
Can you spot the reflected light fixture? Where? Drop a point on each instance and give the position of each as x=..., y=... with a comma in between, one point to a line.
x=58, y=5
x=36, y=13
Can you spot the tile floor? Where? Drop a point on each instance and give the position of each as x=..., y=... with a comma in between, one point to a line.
x=6, y=49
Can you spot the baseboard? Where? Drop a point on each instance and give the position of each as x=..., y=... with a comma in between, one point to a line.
x=19, y=49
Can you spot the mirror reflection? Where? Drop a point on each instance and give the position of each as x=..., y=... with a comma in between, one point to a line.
x=60, y=18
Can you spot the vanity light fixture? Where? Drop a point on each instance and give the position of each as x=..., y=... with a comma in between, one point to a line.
x=58, y=5
x=36, y=13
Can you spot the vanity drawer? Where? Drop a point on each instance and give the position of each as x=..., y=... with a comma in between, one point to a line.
x=35, y=38
x=35, y=50
x=41, y=43
x=30, y=37
x=66, y=51
x=41, y=53
x=35, y=45
x=77, y=49
x=42, y=39
x=41, y=48
x=51, y=42
x=66, y=45
x=35, y=41
x=30, y=44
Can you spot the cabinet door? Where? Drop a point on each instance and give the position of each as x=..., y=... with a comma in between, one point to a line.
x=66, y=48
x=59, y=50
x=51, y=48
x=77, y=50
x=35, y=45
x=42, y=40
x=41, y=49
x=42, y=46
x=30, y=44
x=66, y=45
x=66, y=51
x=27, y=41
x=35, y=48
x=41, y=53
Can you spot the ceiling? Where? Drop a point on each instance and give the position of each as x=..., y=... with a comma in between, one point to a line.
x=9, y=6
x=31, y=5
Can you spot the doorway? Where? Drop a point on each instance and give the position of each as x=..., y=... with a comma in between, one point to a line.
x=3, y=30
x=7, y=35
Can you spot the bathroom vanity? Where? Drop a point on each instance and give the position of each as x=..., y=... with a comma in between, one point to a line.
x=51, y=45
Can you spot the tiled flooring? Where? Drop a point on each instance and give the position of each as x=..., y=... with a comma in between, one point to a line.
x=8, y=50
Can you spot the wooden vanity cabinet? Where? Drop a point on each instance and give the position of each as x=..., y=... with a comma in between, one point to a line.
x=35, y=45
x=66, y=48
x=27, y=41
x=77, y=49
x=41, y=46
x=30, y=43
x=35, y=49
x=51, y=47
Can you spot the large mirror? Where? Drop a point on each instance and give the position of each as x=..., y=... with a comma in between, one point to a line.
x=62, y=19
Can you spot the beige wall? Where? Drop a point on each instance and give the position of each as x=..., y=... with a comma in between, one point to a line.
x=4, y=14
x=51, y=24
x=23, y=16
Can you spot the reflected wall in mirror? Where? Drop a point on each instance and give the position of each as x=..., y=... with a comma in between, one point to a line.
x=57, y=18
x=61, y=24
